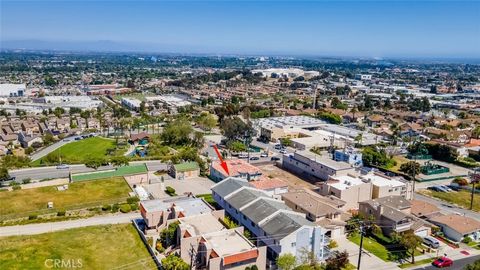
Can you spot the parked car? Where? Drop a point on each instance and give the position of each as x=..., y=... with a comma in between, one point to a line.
x=436, y=188
x=443, y=262
x=78, y=138
x=446, y=188
x=254, y=158
x=242, y=156
x=283, y=151
x=62, y=166
x=278, y=146
x=274, y=158
x=453, y=187
x=443, y=188
x=431, y=242
x=8, y=178
x=263, y=155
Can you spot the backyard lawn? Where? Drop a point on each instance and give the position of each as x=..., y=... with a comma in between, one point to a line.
x=78, y=151
x=95, y=247
x=371, y=246
x=460, y=198
x=24, y=202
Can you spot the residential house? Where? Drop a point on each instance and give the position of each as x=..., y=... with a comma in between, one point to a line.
x=215, y=246
x=236, y=168
x=160, y=212
x=393, y=213
x=457, y=227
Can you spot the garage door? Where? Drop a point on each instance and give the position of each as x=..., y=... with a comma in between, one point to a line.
x=422, y=233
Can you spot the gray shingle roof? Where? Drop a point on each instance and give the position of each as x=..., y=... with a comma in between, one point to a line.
x=263, y=208
x=243, y=197
x=283, y=224
x=228, y=186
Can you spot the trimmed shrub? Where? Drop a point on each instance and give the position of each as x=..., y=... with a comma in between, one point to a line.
x=107, y=207
x=26, y=181
x=61, y=213
x=170, y=191
x=115, y=208
x=16, y=187
x=32, y=217
x=134, y=206
x=466, y=239
x=131, y=200
x=159, y=247
x=125, y=208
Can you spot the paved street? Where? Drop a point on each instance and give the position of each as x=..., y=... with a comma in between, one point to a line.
x=69, y=224
x=457, y=264
x=52, y=172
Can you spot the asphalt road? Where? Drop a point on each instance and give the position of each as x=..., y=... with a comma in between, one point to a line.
x=457, y=264
x=52, y=172
x=69, y=224
x=447, y=207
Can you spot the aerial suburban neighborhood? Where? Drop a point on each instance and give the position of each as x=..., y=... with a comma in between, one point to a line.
x=131, y=156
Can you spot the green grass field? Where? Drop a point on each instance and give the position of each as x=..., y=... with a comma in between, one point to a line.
x=21, y=203
x=371, y=246
x=77, y=151
x=97, y=247
x=461, y=198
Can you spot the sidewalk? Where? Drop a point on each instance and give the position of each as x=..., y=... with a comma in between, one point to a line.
x=39, y=228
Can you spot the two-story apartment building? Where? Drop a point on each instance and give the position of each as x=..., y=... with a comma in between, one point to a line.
x=272, y=222
x=316, y=167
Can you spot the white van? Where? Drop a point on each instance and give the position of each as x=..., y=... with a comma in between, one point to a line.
x=431, y=242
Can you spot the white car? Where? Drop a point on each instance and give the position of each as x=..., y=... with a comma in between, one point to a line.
x=263, y=155
x=283, y=151
x=62, y=166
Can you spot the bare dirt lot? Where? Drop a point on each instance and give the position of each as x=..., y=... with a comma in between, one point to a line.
x=292, y=180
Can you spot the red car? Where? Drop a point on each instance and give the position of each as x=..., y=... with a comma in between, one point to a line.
x=443, y=262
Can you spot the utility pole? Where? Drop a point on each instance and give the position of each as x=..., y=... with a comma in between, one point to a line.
x=361, y=245
x=474, y=179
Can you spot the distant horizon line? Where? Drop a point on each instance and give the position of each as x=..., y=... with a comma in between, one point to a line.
x=198, y=52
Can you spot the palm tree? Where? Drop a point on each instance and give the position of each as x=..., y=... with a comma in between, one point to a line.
x=353, y=110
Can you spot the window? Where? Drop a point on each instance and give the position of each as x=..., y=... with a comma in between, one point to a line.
x=253, y=224
x=294, y=244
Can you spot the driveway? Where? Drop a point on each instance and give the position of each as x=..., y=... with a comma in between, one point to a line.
x=69, y=224
x=369, y=261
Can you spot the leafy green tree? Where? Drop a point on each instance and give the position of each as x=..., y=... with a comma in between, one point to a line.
x=237, y=146
x=286, y=261
x=58, y=111
x=235, y=129
x=95, y=162
x=172, y=262
x=177, y=133
x=330, y=117
x=410, y=168
x=120, y=160
x=411, y=241
x=206, y=121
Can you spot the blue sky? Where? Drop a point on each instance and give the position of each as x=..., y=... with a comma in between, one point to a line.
x=341, y=28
